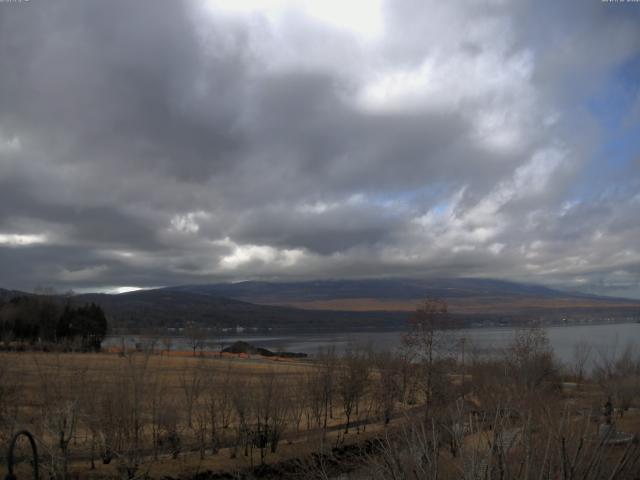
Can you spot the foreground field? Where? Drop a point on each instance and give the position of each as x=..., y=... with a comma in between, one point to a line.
x=152, y=414
x=363, y=415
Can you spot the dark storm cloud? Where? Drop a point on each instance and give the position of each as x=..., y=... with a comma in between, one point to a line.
x=322, y=229
x=153, y=143
x=304, y=125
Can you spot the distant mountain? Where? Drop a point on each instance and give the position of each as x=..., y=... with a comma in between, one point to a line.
x=471, y=298
x=169, y=307
x=349, y=304
x=7, y=294
x=283, y=292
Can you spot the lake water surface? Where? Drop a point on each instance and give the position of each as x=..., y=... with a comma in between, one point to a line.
x=603, y=338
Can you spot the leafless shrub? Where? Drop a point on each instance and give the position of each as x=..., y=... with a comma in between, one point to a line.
x=353, y=378
x=60, y=396
x=191, y=385
x=386, y=389
x=618, y=373
x=195, y=337
x=581, y=354
x=9, y=395
x=529, y=361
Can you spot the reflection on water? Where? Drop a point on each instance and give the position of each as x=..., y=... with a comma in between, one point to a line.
x=603, y=339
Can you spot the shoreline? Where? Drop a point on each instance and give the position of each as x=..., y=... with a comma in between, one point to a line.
x=289, y=332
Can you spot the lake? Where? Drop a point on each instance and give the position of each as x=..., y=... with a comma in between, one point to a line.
x=603, y=338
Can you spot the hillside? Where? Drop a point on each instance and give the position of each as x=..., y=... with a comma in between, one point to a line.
x=7, y=294
x=339, y=305
x=471, y=299
x=407, y=289
x=170, y=307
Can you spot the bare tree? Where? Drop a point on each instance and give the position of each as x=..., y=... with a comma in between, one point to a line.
x=386, y=383
x=218, y=404
x=299, y=403
x=557, y=445
x=242, y=405
x=270, y=412
x=581, y=354
x=430, y=342
x=191, y=384
x=195, y=337
x=412, y=453
x=61, y=391
x=320, y=385
x=157, y=404
x=169, y=428
x=618, y=373
x=9, y=394
x=90, y=413
x=353, y=377
x=123, y=411
x=167, y=343
x=529, y=359
x=315, y=388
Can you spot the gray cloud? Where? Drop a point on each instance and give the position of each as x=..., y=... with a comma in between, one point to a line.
x=154, y=143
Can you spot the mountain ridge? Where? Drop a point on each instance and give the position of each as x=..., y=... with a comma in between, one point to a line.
x=384, y=288
x=349, y=304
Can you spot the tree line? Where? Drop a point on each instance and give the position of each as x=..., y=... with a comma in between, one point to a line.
x=41, y=320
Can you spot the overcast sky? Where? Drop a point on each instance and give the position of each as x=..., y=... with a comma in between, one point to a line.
x=149, y=143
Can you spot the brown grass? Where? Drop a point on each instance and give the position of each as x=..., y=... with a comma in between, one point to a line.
x=495, y=305
x=26, y=370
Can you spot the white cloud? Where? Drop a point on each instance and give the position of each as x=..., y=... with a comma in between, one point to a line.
x=188, y=222
x=317, y=138
x=359, y=17
x=255, y=255
x=21, y=240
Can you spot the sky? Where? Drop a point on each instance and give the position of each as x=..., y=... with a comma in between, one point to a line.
x=162, y=142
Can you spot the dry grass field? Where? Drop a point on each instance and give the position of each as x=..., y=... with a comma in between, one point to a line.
x=97, y=414
x=155, y=415
x=466, y=306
